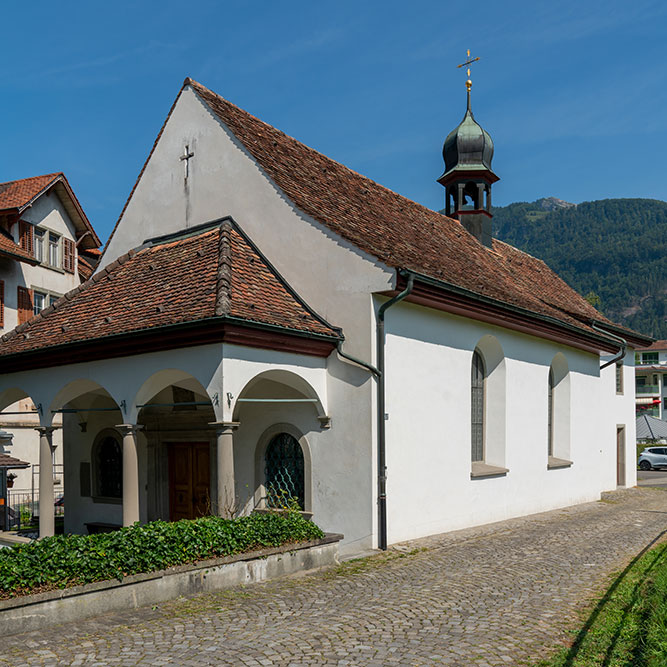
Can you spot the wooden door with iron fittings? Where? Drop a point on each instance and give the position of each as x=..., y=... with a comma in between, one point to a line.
x=189, y=480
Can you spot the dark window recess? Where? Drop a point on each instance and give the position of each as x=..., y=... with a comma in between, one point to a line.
x=550, y=417
x=109, y=468
x=284, y=472
x=619, y=377
x=182, y=395
x=477, y=405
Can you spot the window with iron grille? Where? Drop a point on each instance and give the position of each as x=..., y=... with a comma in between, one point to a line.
x=477, y=407
x=284, y=472
x=619, y=377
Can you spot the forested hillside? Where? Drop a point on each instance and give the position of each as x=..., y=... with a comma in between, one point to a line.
x=613, y=249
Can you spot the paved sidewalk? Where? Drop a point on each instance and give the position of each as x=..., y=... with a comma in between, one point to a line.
x=498, y=595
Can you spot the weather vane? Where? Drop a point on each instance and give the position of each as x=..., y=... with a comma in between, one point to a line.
x=469, y=61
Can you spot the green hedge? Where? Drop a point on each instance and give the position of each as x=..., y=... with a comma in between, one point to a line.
x=69, y=560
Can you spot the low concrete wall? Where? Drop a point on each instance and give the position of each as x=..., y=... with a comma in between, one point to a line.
x=34, y=612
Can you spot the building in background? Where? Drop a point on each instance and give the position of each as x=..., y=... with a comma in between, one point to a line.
x=47, y=248
x=651, y=380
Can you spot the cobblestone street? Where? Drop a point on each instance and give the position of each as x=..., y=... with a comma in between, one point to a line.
x=496, y=595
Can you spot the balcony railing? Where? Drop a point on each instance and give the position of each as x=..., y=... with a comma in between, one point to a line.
x=648, y=389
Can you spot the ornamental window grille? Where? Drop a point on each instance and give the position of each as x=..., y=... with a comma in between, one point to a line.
x=550, y=418
x=477, y=407
x=284, y=472
x=109, y=468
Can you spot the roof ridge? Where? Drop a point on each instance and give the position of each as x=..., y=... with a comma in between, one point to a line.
x=285, y=284
x=68, y=296
x=201, y=88
x=223, y=288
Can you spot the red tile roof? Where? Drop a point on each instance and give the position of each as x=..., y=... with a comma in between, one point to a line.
x=7, y=461
x=658, y=345
x=17, y=195
x=396, y=230
x=217, y=272
x=9, y=248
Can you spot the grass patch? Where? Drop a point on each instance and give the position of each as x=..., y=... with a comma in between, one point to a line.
x=628, y=625
x=69, y=560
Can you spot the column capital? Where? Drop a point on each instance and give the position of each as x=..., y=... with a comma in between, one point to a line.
x=224, y=427
x=129, y=429
x=46, y=430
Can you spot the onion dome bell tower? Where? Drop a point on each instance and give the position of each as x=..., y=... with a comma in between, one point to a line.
x=468, y=152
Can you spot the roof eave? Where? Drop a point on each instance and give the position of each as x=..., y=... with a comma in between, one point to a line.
x=517, y=318
x=171, y=336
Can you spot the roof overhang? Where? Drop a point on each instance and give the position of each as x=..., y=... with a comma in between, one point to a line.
x=85, y=231
x=174, y=336
x=474, y=172
x=18, y=257
x=452, y=299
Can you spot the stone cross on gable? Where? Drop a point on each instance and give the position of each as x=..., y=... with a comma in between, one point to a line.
x=187, y=154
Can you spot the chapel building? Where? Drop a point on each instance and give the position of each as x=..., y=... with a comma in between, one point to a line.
x=267, y=326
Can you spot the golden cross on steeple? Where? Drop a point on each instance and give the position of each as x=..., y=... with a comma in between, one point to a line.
x=469, y=61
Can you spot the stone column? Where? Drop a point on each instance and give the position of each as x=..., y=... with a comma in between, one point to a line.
x=46, y=499
x=226, y=486
x=130, y=473
x=459, y=196
x=480, y=196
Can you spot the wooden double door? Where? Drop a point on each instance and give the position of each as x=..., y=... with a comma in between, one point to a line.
x=189, y=480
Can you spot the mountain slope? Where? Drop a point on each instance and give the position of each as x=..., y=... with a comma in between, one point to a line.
x=615, y=249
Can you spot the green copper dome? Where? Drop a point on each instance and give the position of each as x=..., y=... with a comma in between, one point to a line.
x=468, y=147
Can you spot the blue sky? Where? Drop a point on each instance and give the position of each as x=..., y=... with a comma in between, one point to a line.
x=573, y=94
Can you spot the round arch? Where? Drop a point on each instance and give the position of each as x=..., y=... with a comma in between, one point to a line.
x=291, y=384
x=494, y=417
x=12, y=395
x=161, y=380
x=260, y=455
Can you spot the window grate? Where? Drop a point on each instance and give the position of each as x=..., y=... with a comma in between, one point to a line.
x=284, y=472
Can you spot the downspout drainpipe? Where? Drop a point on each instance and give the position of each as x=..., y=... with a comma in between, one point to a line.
x=623, y=343
x=382, y=450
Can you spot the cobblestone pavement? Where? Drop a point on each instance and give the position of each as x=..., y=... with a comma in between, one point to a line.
x=497, y=595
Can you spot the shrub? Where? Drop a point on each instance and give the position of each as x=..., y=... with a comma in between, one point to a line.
x=69, y=560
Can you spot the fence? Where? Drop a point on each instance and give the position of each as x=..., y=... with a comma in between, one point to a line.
x=23, y=505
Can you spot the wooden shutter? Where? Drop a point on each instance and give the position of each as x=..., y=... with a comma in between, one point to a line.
x=24, y=304
x=2, y=303
x=69, y=251
x=26, y=237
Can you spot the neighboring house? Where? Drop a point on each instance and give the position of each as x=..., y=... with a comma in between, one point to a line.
x=266, y=324
x=47, y=248
x=651, y=380
x=651, y=429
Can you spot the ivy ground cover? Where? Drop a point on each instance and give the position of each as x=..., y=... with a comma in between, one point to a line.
x=70, y=560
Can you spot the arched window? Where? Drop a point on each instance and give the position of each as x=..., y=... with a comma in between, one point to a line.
x=108, y=465
x=284, y=471
x=550, y=418
x=558, y=413
x=477, y=407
